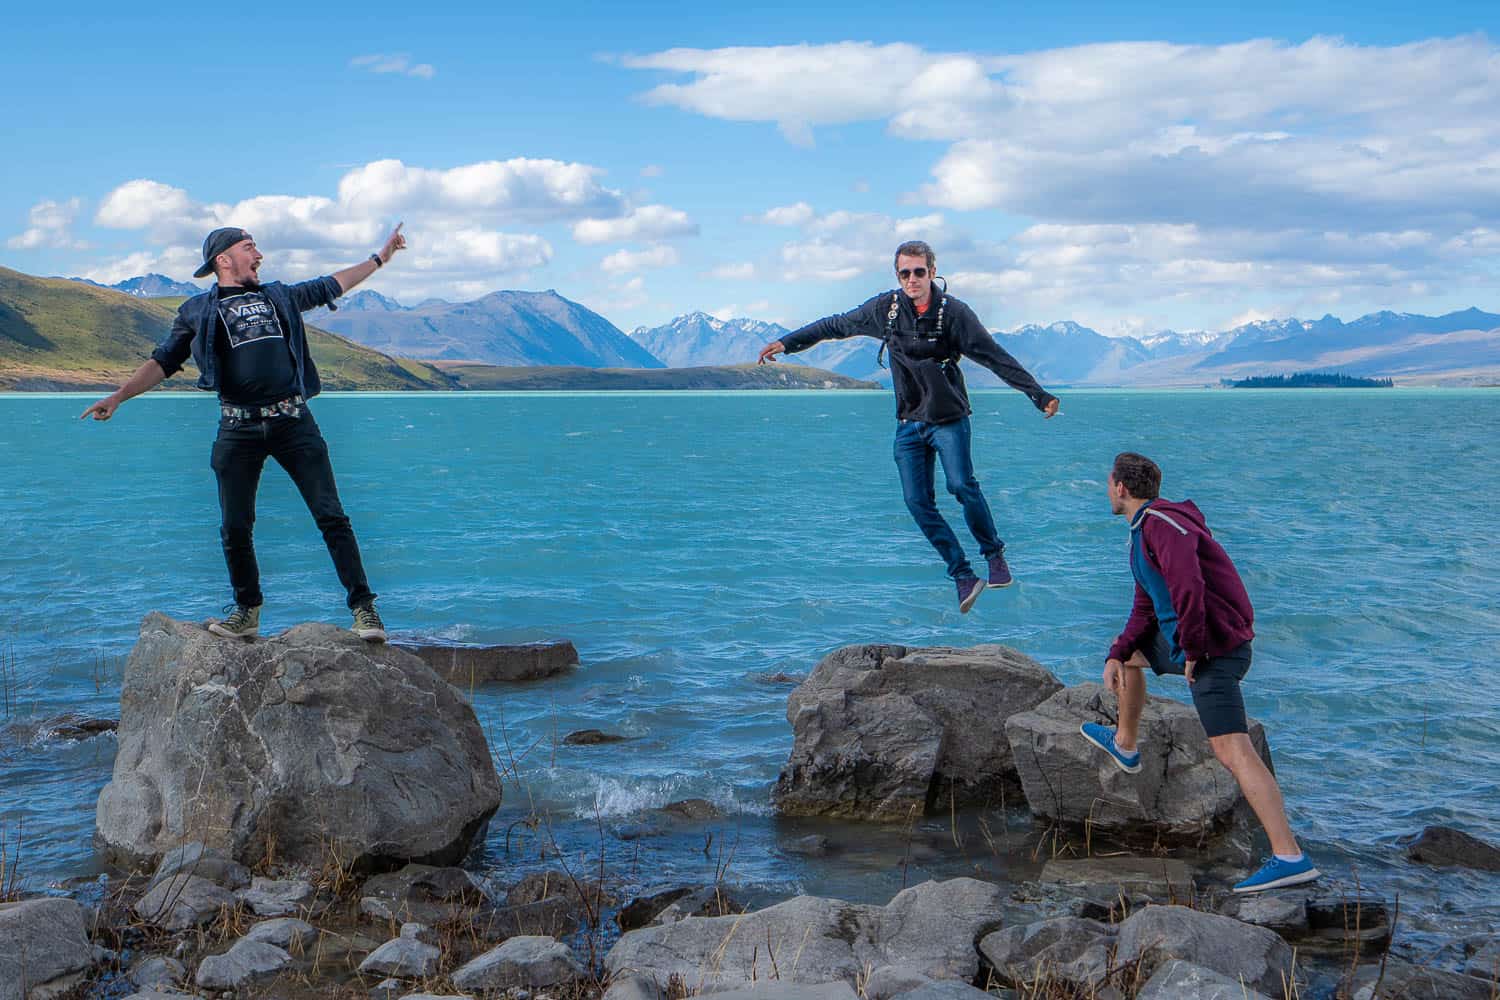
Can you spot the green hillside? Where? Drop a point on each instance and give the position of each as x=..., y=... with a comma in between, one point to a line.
x=59, y=334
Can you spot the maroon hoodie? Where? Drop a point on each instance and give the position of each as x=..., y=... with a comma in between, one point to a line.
x=1185, y=585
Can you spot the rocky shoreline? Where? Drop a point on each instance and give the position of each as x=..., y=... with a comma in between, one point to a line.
x=294, y=817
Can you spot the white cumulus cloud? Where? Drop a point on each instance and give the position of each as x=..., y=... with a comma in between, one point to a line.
x=633, y=261
x=647, y=222
x=51, y=226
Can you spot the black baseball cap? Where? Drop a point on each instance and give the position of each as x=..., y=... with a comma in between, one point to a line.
x=218, y=241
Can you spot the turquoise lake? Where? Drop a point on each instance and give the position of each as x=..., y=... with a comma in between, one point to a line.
x=690, y=544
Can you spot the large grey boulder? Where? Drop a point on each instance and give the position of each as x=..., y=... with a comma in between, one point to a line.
x=527, y=961
x=1181, y=792
x=43, y=944
x=467, y=666
x=881, y=732
x=1179, y=980
x=309, y=745
x=930, y=929
x=244, y=964
x=1243, y=952
x=1067, y=949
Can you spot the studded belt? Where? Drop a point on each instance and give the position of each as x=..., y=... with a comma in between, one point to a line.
x=289, y=407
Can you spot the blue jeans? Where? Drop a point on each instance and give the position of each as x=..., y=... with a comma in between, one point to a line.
x=917, y=444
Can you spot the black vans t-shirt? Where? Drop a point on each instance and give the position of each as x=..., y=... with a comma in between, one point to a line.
x=255, y=361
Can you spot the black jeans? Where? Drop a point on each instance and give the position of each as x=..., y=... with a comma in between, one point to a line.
x=239, y=454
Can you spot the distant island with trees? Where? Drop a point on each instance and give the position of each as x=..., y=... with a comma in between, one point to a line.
x=1309, y=380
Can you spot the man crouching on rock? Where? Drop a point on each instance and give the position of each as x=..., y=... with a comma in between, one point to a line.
x=1191, y=616
x=249, y=344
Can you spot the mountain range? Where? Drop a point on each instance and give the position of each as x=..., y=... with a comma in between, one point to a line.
x=150, y=286
x=517, y=328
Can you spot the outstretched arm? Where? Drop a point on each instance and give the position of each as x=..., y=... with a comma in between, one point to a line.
x=147, y=377
x=974, y=341
x=351, y=276
x=858, y=321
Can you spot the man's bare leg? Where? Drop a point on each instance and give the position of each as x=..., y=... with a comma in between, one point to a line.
x=1132, y=698
x=1236, y=752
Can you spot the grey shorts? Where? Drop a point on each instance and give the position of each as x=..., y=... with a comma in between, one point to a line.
x=1215, y=688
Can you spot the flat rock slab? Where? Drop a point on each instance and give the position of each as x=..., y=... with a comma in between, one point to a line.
x=425, y=893
x=1159, y=878
x=277, y=897
x=1179, y=980
x=196, y=858
x=886, y=732
x=1242, y=952
x=1442, y=845
x=1405, y=981
x=1181, y=793
x=42, y=941
x=310, y=744
x=244, y=964
x=468, y=666
x=529, y=961
x=930, y=928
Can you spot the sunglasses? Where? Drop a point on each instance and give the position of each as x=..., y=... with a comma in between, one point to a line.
x=908, y=272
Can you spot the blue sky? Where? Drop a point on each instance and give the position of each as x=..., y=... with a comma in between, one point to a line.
x=1131, y=168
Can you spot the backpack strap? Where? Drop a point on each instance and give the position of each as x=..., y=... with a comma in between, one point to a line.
x=890, y=326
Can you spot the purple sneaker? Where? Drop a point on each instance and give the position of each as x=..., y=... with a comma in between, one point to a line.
x=1000, y=572
x=969, y=589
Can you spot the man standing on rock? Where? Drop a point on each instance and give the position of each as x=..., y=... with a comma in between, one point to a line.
x=249, y=344
x=1191, y=616
x=932, y=402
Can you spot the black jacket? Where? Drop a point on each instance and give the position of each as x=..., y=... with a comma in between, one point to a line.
x=197, y=321
x=924, y=361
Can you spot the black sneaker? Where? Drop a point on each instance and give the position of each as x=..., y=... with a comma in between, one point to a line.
x=367, y=624
x=242, y=623
x=969, y=589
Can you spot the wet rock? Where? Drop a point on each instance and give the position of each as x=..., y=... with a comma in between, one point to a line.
x=1069, y=949
x=592, y=738
x=311, y=743
x=642, y=911
x=423, y=893
x=195, y=858
x=466, y=666
x=692, y=809
x=1483, y=959
x=1400, y=980
x=287, y=933
x=528, y=961
x=44, y=947
x=885, y=732
x=1157, y=878
x=554, y=916
x=1286, y=914
x=184, y=901
x=778, y=677
x=543, y=885
x=72, y=726
x=814, y=845
x=1180, y=794
x=1346, y=922
x=276, y=897
x=405, y=957
x=244, y=964
x=704, y=901
x=1158, y=934
x=1179, y=980
x=1445, y=846
x=157, y=973
x=929, y=928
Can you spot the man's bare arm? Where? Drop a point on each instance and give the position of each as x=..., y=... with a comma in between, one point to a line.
x=351, y=276
x=147, y=377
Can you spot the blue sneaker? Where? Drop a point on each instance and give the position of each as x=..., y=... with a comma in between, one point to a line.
x=969, y=589
x=1103, y=737
x=1278, y=874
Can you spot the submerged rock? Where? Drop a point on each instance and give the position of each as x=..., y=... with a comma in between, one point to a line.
x=885, y=732
x=466, y=666
x=308, y=745
x=1181, y=793
x=1443, y=845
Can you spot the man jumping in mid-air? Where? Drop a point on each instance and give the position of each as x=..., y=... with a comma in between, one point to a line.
x=249, y=344
x=926, y=334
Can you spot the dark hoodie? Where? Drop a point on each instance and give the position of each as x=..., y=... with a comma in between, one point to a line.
x=1185, y=586
x=924, y=360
